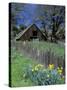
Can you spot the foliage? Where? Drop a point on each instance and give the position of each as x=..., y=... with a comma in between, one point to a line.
x=15, y=30
x=41, y=76
x=60, y=34
x=22, y=27
x=57, y=18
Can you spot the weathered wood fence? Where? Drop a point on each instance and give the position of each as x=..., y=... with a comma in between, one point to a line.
x=44, y=57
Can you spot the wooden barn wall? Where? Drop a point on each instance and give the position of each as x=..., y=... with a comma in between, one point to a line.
x=29, y=33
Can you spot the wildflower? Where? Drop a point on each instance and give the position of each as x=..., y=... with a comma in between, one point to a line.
x=51, y=66
x=39, y=66
x=36, y=69
x=32, y=70
x=60, y=70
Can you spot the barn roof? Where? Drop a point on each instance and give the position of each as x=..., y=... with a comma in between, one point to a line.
x=23, y=31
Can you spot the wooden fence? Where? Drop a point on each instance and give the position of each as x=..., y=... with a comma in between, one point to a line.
x=44, y=57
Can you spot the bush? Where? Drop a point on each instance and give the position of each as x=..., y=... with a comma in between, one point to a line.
x=41, y=76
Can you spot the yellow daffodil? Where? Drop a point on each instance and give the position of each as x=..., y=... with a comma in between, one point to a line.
x=39, y=66
x=51, y=66
x=60, y=70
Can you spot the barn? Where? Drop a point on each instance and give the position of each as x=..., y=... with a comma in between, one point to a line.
x=30, y=33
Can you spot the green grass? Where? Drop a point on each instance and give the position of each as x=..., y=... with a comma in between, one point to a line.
x=57, y=49
x=19, y=62
x=18, y=65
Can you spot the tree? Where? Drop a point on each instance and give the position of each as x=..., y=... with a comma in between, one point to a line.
x=57, y=19
x=15, y=30
x=22, y=27
x=16, y=8
x=47, y=17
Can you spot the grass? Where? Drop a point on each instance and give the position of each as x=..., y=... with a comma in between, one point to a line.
x=19, y=62
x=58, y=50
x=18, y=65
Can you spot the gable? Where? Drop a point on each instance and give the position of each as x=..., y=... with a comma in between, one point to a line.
x=30, y=30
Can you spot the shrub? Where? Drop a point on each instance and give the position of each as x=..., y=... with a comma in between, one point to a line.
x=41, y=76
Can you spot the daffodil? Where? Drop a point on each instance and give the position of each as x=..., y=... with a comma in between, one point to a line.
x=60, y=70
x=36, y=69
x=51, y=66
x=39, y=66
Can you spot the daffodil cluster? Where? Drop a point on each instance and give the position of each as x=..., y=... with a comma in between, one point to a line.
x=40, y=75
x=60, y=70
x=37, y=67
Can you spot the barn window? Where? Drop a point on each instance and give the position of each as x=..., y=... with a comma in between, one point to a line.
x=34, y=33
